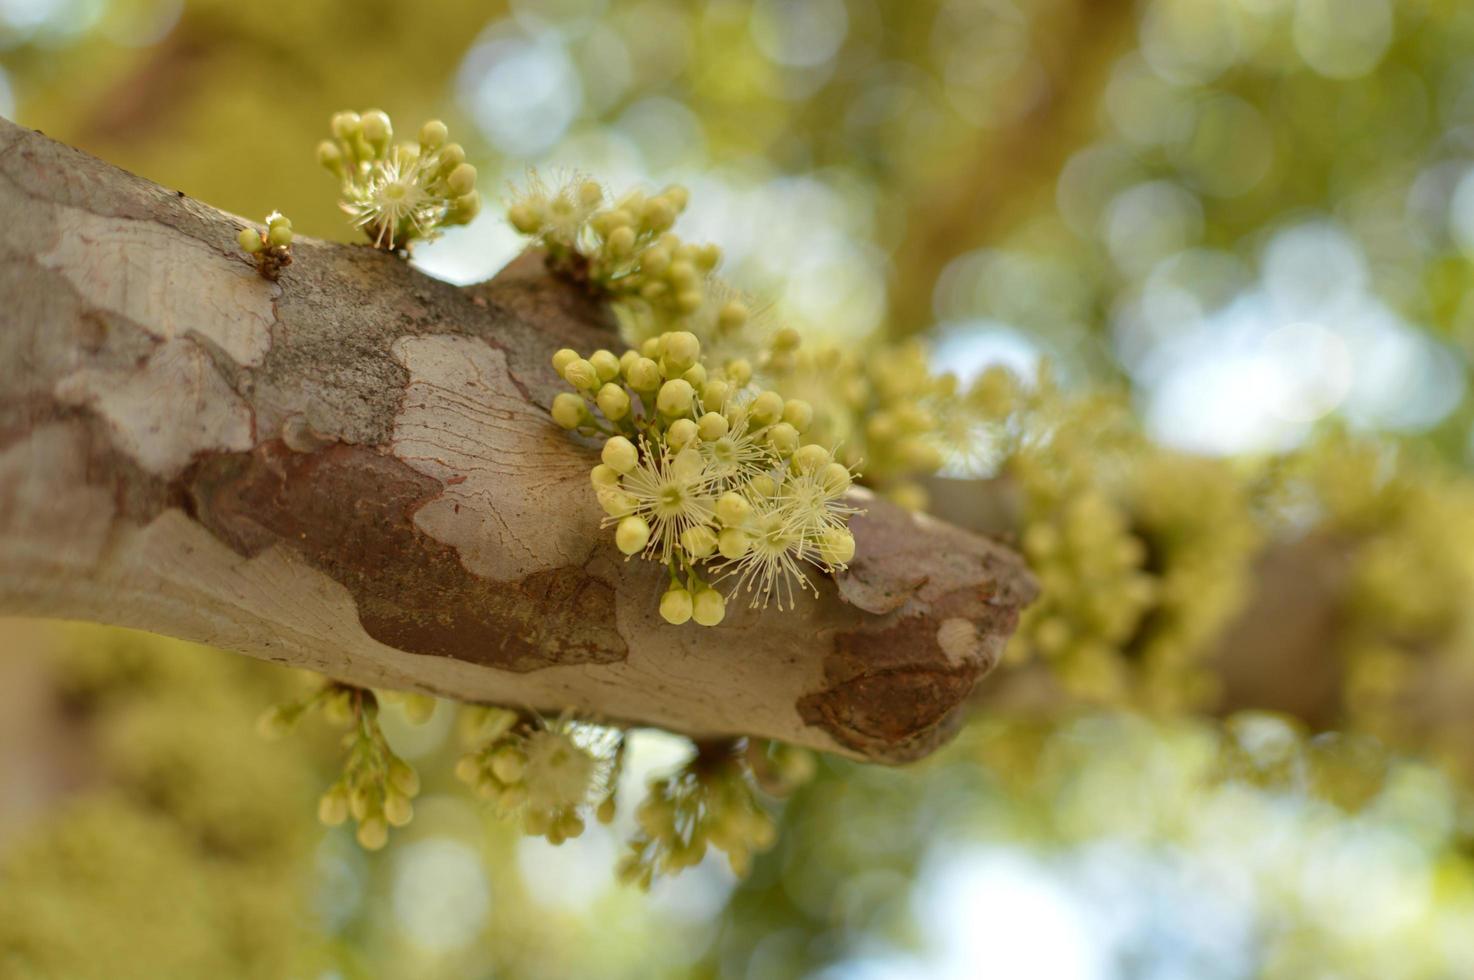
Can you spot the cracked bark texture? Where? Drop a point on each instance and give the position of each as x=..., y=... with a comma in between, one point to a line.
x=352, y=470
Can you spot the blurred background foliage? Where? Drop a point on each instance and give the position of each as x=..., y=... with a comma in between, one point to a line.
x=1251, y=220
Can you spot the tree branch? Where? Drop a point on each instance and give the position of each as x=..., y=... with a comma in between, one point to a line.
x=352, y=470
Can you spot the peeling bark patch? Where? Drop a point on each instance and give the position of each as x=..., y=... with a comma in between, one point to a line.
x=170, y=285
x=348, y=511
x=502, y=462
x=166, y=411
x=893, y=687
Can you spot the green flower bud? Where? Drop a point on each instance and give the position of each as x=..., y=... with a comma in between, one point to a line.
x=451, y=155
x=733, y=509
x=739, y=372
x=616, y=502
x=690, y=300
x=433, y=134
x=699, y=541
x=644, y=375
x=682, y=349
x=675, y=397
x=569, y=410
x=659, y=214
x=784, y=438
x=762, y=485
x=590, y=194
x=695, y=375
x=605, y=812
x=279, y=236
x=655, y=260
x=709, y=608
x=398, y=810
x=329, y=156
x=620, y=455
x=766, y=408
x=733, y=543
x=713, y=426
x=276, y=218
x=613, y=401
x=462, y=179
x=681, y=433
x=798, y=413
x=332, y=808
x=345, y=125
x=377, y=129
x=359, y=803
x=682, y=275
x=606, y=364
x=468, y=769
x=836, y=477
x=604, y=476
x=563, y=358
x=836, y=546
x=250, y=240
x=714, y=394
x=464, y=208
x=677, y=195
x=581, y=374
x=402, y=775
x=786, y=339
x=676, y=606
x=732, y=317
x=708, y=257
x=632, y=535
x=810, y=457
x=525, y=218
x=621, y=241
x=688, y=465
x=508, y=764
x=373, y=834
x=653, y=347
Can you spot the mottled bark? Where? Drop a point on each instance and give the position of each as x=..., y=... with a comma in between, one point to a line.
x=352, y=470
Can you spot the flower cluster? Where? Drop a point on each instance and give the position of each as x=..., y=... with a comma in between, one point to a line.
x=707, y=474
x=399, y=192
x=376, y=786
x=550, y=775
x=710, y=801
x=272, y=247
x=625, y=248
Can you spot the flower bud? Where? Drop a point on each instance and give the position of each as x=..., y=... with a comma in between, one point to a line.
x=836, y=546
x=681, y=434
x=613, y=401
x=581, y=374
x=279, y=236
x=682, y=349
x=836, y=478
x=739, y=371
x=332, y=808
x=798, y=413
x=766, y=408
x=250, y=240
x=632, y=535
x=713, y=426
x=563, y=358
x=402, y=775
x=644, y=375
x=462, y=179
x=525, y=218
x=508, y=764
x=699, y=541
x=376, y=129
x=329, y=156
x=810, y=457
x=783, y=438
x=709, y=608
x=620, y=455
x=675, y=397
x=733, y=542
x=604, y=476
x=733, y=316
x=433, y=134
x=714, y=394
x=398, y=810
x=345, y=125
x=373, y=834
x=569, y=410
x=733, y=509
x=676, y=606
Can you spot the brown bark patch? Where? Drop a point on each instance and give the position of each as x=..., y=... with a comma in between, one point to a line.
x=893, y=690
x=348, y=510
